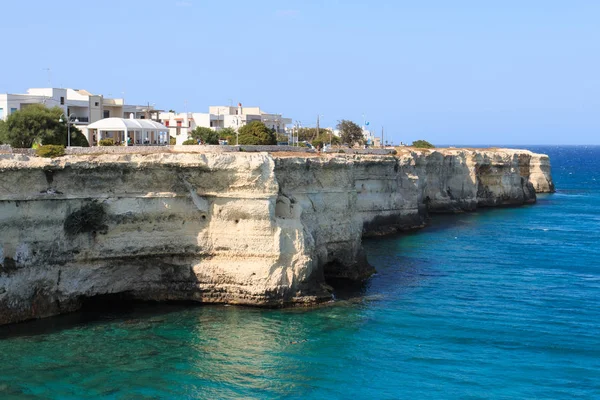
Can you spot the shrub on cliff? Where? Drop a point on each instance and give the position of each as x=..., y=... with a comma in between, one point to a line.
x=190, y=142
x=422, y=144
x=89, y=218
x=107, y=142
x=172, y=141
x=50, y=151
x=256, y=133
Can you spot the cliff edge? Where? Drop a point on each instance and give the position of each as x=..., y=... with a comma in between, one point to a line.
x=241, y=228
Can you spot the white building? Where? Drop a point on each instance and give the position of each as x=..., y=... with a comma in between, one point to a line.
x=84, y=106
x=218, y=117
x=129, y=132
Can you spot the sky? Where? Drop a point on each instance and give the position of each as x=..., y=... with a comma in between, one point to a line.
x=450, y=72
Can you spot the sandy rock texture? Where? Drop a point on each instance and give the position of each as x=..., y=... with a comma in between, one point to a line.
x=240, y=228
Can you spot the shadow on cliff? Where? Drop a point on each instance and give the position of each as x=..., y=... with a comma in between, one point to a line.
x=119, y=307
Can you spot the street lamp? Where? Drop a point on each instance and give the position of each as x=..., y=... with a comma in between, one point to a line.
x=70, y=119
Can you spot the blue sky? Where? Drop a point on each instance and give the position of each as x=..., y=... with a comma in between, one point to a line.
x=452, y=72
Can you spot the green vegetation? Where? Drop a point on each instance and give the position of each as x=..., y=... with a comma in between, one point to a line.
x=324, y=137
x=228, y=134
x=310, y=134
x=256, y=133
x=282, y=138
x=50, y=151
x=190, y=142
x=37, y=123
x=350, y=133
x=172, y=141
x=89, y=218
x=2, y=130
x=422, y=144
x=107, y=142
x=207, y=135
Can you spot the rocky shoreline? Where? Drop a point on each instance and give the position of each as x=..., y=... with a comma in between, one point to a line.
x=261, y=229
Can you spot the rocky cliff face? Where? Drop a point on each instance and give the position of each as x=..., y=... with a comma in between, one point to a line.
x=239, y=228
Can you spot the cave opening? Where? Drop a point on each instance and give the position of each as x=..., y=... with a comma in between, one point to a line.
x=344, y=286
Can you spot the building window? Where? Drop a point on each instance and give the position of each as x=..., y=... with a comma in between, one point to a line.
x=62, y=101
x=13, y=110
x=96, y=104
x=167, y=123
x=1, y=113
x=178, y=123
x=106, y=113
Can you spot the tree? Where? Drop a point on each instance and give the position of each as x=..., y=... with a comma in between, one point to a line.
x=324, y=137
x=310, y=134
x=422, y=144
x=2, y=131
x=350, y=133
x=256, y=133
x=205, y=134
x=228, y=134
x=38, y=123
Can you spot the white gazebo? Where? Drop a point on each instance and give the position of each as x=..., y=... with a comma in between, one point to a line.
x=130, y=132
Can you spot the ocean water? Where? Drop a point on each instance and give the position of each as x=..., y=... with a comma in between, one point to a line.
x=496, y=304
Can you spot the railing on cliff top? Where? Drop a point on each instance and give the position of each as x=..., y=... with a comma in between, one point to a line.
x=5, y=149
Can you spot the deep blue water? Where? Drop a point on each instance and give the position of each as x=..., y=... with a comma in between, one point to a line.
x=501, y=303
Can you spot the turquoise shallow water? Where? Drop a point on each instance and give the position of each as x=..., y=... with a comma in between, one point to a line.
x=501, y=303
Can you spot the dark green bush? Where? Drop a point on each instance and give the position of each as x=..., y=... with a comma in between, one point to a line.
x=190, y=142
x=50, y=151
x=89, y=218
x=172, y=141
x=422, y=144
x=107, y=142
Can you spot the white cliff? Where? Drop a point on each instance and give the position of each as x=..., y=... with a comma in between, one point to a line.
x=242, y=228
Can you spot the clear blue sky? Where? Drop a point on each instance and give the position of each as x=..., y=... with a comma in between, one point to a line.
x=458, y=72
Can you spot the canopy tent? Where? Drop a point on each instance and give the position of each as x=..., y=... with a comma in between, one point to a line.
x=131, y=132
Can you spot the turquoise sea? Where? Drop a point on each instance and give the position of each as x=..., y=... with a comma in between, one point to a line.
x=496, y=304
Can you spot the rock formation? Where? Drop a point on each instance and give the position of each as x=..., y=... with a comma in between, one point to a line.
x=241, y=228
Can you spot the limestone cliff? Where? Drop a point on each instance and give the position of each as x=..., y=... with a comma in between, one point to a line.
x=242, y=228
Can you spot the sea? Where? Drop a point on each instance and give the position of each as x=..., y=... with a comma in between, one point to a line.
x=496, y=304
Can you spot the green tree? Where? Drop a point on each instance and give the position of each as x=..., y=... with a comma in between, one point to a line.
x=310, y=134
x=228, y=134
x=256, y=133
x=38, y=123
x=2, y=131
x=324, y=137
x=205, y=134
x=422, y=144
x=350, y=133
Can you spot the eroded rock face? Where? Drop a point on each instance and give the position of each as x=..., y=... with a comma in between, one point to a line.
x=244, y=228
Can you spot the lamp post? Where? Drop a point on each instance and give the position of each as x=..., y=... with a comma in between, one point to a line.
x=70, y=119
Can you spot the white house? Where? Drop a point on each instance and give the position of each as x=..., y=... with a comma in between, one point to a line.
x=84, y=106
x=219, y=117
x=128, y=132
